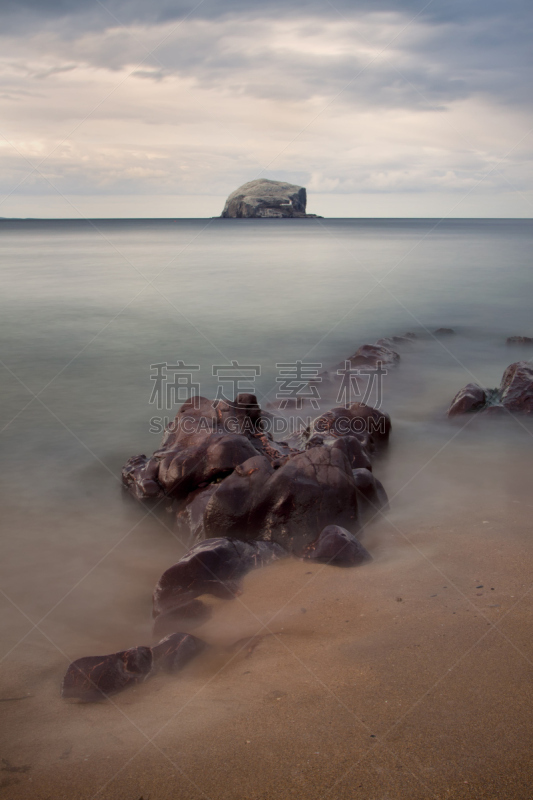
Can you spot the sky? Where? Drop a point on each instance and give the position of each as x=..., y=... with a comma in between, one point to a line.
x=381, y=108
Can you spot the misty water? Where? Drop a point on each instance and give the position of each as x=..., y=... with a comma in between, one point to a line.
x=87, y=308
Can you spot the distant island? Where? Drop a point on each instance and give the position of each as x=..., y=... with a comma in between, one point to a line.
x=262, y=198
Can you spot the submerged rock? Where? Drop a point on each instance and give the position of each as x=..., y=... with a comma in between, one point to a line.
x=95, y=678
x=519, y=340
x=264, y=198
x=216, y=567
x=336, y=545
x=443, y=332
x=389, y=341
x=370, y=355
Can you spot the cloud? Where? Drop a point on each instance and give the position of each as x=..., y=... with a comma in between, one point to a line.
x=356, y=98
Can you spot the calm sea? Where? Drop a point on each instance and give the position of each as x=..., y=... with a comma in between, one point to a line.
x=88, y=309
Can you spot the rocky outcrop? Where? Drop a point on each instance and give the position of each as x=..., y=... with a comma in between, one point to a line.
x=519, y=340
x=365, y=423
x=470, y=398
x=204, y=444
x=289, y=505
x=516, y=388
x=514, y=394
x=370, y=355
x=267, y=199
x=226, y=477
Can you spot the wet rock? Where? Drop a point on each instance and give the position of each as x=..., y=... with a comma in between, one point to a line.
x=216, y=567
x=290, y=505
x=354, y=450
x=351, y=446
x=190, y=516
x=370, y=355
x=94, y=678
x=371, y=495
x=514, y=394
x=139, y=475
x=390, y=341
x=443, y=332
x=264, y=198
x=368, y=424
x=519, y=340
x=516, y=388
x=174, y=652
x=205, y=443
x=336, y=545
x=470, y=398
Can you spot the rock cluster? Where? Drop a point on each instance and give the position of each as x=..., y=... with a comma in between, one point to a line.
x=267, y=199
x=247, y=500
x=514, y=394
x=227, y=477
x=519, y=340
x=96, y=678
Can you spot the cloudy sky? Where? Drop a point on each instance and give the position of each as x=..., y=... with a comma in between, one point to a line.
x=161, y=108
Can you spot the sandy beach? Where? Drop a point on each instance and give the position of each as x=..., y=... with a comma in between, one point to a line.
x=407, y=677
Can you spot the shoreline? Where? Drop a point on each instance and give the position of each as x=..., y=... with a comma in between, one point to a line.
x=412, y=695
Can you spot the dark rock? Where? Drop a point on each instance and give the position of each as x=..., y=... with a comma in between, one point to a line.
x=364, y=422
x=516, y=388
x=371, y=495
x=94, y=678
x=139, y=475
x=205, y=443
x=471, y=398
x=443, y=332
x=514, y=394
x=389, y=341
x=289, y=505
x=354, y=450
x=519, y=340
x=190, y=517
x=216, y=567
x=351, y=446
x=175, y=651
x=264, y=198
x=336, y=545
x=369, y=355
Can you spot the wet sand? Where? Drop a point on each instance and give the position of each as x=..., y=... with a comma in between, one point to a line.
x=410, y=677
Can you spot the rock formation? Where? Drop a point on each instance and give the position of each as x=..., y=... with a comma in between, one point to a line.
x=263, y=198
x=514, y=394
x=520, y=340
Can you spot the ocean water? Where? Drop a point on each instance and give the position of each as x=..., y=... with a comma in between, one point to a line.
x=87, y=309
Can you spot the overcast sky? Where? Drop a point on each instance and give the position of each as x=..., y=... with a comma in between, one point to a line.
x=162, y=108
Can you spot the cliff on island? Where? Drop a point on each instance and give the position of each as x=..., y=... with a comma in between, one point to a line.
x=263, y=198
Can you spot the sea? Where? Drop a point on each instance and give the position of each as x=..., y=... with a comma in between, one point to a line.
x=99, y=317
